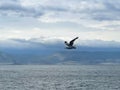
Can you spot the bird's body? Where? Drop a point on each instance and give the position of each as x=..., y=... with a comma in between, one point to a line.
x=70, y=47
x=70, y=44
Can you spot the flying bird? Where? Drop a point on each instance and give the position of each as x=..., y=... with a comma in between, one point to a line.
x=70, y=44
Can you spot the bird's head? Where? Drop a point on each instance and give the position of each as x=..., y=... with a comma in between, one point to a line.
x=65, y=41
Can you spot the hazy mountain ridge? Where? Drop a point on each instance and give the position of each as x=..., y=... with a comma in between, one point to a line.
x=5, y=58
x=88, y=57
x=19, y=51
x=63, y=57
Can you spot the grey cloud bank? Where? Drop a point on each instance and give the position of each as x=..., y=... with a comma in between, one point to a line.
x=94, y=19
x=54, y=44
x=85, y=9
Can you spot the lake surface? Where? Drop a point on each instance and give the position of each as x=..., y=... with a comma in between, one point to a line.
x=59, y=77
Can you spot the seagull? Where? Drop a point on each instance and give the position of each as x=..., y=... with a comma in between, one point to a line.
x=70, y=44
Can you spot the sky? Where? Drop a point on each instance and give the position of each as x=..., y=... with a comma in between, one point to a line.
x=46, y=21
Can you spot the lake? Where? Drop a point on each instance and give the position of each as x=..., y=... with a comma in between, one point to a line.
x=59, y=77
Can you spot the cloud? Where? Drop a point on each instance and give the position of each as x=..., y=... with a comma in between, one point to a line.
x=54, y=43
x=82, y=10
x=42, y=43
x=93, y=19
x=96, y=14
x=14, y=8
x=100, y=43
x=79, y=9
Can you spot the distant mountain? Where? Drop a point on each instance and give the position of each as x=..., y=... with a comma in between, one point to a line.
x=41, y=45
x=69, y=57
x=62, y=57
x=20, y=51
x=5, y=58
x=87, y=57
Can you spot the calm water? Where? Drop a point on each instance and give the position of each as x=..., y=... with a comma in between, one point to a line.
x=57, y=77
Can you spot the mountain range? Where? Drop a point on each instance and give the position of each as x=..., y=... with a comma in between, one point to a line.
x=33, y=52
x=62, y=57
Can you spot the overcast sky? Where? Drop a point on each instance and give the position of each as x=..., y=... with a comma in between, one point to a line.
x=60, y=19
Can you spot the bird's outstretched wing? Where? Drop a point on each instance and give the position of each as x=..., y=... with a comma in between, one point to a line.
x=72, y=41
